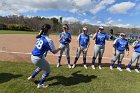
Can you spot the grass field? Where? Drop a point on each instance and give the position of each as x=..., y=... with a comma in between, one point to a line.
x=13, y=79
x=20, y=32
x=16, y=32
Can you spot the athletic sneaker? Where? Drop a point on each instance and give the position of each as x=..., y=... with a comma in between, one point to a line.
x=111, y=68
x=137, y=70
x=85, y=66
x=100, y=67
x=93, y=67
x=42, y=86
x=128, y=69
x=119, y=68
x=73, y=65
x=30, y=78
x=58, y=65
x=69, y=66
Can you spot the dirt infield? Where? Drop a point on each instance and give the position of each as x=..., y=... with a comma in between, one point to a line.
x=17, y=48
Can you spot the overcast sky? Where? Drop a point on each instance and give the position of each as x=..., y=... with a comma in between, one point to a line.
x=122, y=13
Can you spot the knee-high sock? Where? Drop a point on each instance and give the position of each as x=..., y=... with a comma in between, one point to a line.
x=119, y=63
x=93, y=60
x=137, y=66
x=43, y=77
x=112, y=63
x=68, y=59
x=99, y=61
x=36, y=72
x=84, y=60
x=129, y=66
x=75, y=61
x=59, y=59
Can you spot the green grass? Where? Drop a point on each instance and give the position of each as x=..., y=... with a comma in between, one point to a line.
x=16, y=32
x=13, y=79
x=22, y=32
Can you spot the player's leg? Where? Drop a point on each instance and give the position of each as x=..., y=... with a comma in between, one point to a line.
x=67, y=53
x=101, y=52
x=78, y=52
x=44, y=65
x=115, y=57
x=96, y=52
x=31, y=78
x=120, y=58
x=138, y=63
x=135, y=56
x=35, y=60
x=60, y=54
x=84, y=58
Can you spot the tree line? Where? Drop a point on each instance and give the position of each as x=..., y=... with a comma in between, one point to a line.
x=14, y=22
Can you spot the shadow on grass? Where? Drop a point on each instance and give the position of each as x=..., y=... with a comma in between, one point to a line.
x=74, y=79
x=103, y=65
x=5, y=77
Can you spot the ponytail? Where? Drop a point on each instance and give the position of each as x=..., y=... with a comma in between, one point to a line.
x=40, y=33
x=44, y=30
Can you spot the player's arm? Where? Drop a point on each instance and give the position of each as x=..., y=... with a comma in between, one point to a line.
x=94, y=36
x=127, y=49
x=114, y=49
x=135, y=44
x=88, y=43
x=60, y=37
x=114, y=46
x=108, y=37
x=52, y=47
x=56, y=50
x=68, y=39
x=78, y=40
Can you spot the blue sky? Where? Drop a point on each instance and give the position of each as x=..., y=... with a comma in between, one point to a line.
x=122, y=13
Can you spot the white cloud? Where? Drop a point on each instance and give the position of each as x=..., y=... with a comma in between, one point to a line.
x=70, y=19
x=85, y=21
x=121, y=8
x=102, y=5
x=109, y=18
x=135, y=10
x=75, y=6
x=99, y=22
x=119, y=20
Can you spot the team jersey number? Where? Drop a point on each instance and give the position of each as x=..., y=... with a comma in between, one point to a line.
x=39, y=44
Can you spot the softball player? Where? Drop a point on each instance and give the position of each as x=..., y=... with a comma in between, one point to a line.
x=120, y=45
x=135, y=56
x=99, y=46
x=83, y=40
x=65, y=39
x=43, y=45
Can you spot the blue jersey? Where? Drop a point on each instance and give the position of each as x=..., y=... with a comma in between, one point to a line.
x=42, y=46
x=83, y=40
x=100, y=38
x=121, y=44
x=67, y=36
x=137, y=46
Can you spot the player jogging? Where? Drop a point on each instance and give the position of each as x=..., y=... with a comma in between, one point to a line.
x=65, y=39
x=83, y=41
x=43, y=45
x=135, y=56
x=120, y=45
x=100, y=37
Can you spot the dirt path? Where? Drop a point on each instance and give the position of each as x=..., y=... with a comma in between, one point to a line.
x=24, y=43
